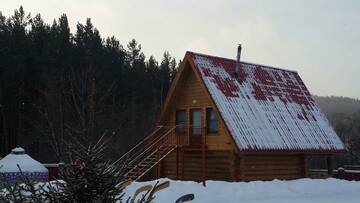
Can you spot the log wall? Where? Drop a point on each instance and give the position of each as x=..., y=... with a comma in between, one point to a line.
x=269, y=167
x=218, y=165
x=229, y=166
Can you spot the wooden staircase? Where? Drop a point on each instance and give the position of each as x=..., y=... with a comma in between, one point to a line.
x=147, y=154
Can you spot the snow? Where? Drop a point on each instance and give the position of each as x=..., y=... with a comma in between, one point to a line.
x=18, y=157
x=294, y=191
x=18, y=150
x=266, y=108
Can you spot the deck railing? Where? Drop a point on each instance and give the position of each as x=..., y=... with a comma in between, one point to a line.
x=191, y=135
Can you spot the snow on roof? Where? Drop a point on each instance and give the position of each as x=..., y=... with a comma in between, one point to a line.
x=266, y=108
x=19, y=157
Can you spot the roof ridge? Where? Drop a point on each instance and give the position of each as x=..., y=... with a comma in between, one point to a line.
x=245, y=62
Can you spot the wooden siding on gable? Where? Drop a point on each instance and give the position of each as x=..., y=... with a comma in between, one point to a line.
x=190, y=94
x=192, y=91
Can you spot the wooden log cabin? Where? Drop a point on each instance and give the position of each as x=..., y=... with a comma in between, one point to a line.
x=229, y=120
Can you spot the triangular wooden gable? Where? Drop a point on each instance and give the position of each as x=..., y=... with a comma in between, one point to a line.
x=187, y=69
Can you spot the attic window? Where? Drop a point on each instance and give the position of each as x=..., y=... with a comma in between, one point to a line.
x=180, y=121
x=211, y=121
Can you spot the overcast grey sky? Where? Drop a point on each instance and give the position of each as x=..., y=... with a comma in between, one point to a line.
x=318, y=38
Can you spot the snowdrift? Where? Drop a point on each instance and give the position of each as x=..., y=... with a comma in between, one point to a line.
x=294, y=191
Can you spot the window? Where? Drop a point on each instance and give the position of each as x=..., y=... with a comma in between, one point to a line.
x=196, y=121
x=180, y=121
x=211, y=121
x=180, y=117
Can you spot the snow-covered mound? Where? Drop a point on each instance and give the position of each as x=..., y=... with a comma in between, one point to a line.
x=294, y=191
x=9, y=170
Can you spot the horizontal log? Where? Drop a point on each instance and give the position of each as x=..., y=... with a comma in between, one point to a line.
x=213, y=171
x=273, y=167
x=198, y=159
x=190, y=165
x=222, y=170
x=264, y=163
x=272, y=158
x=273, y=161
x=261, y=158
x=196, y=169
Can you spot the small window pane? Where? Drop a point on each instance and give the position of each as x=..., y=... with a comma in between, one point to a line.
x=180, y=117
x=196, y=122
x=212, y=124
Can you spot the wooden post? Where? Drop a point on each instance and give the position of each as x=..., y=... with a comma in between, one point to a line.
x=177, y=152
x=242, y=167
x=329, y=164
x=182, y=163
x=234, y=166
x=158, y=165
x=177, y=162
x=304, y=166
x=203, y=175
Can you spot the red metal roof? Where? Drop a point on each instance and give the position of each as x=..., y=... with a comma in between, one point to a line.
x=266, y=108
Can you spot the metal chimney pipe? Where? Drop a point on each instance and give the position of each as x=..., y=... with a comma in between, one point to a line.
x=238, y=54
x=237, y=66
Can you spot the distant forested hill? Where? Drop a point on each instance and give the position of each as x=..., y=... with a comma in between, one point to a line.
x=344, y=115
x=338, y=105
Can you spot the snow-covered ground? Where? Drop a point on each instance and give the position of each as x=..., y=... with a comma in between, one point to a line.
x=294, y=191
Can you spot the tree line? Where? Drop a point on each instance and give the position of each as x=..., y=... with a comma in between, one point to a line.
x=344, y=115
x=56, y=85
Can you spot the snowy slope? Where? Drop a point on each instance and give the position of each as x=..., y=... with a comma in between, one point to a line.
x=266, y=108
x=294, y=191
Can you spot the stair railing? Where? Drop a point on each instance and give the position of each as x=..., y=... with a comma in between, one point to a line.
x=161, y=136
x=127, y=154
x=153, y=146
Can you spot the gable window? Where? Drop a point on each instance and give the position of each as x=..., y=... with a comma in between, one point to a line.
x=180, y=120
x=195, y=121
x=211, y=121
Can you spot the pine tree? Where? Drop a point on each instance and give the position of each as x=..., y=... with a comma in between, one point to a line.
x=89, y=179
x=92, y=179
x=48, y=92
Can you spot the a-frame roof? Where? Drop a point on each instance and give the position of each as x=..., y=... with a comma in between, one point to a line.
x=265, y=108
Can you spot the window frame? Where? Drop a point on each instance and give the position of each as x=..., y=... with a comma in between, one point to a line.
x=210, y=110
x=176, y=117
x=196, y=130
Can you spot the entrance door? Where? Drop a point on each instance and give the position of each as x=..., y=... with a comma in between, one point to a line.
x=195, y=128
